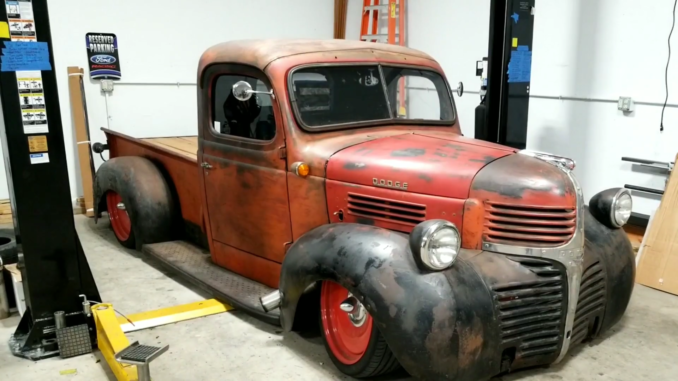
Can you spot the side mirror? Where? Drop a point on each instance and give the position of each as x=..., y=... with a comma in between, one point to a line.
x=242, y=91
x=460, y=89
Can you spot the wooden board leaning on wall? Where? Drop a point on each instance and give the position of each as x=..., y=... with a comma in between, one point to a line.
x=6, y=210
x=658, y=255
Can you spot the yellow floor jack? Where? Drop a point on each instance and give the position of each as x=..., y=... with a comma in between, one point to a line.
x=130, y=362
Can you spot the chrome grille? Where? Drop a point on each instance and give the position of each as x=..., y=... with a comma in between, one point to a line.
x=386, y=209
x=591, y=302
x=531, y=314
x=532, y=226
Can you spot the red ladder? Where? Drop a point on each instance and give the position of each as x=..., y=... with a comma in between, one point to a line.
x=373, y=16
x=371, y=30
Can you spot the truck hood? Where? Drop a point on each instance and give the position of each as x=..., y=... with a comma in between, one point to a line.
x=433, y=164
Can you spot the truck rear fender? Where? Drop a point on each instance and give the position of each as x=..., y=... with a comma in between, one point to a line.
x=147, y=196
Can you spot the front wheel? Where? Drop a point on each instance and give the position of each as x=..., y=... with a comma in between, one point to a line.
x=353, y=342
x=120, y=220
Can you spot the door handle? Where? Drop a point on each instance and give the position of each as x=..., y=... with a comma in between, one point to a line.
x=206, y=165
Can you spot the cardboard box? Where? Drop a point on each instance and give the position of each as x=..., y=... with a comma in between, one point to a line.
x=18, y=288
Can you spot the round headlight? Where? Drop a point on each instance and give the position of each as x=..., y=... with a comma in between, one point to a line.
x=435, y=244
x=612, y=207
x=621, y=207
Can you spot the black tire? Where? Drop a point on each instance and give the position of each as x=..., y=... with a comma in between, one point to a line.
x=376, y=361
x=8, y=249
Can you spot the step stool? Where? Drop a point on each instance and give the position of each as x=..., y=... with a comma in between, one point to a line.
x=141, y=356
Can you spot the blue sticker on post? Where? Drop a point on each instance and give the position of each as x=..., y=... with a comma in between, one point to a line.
x=520, y=66
x=25, y=56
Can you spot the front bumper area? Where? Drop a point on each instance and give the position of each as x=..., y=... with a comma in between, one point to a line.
x=489, y=313
x=527, y=297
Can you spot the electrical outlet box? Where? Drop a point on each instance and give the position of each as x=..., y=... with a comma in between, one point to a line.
x=107, y=86
x=625, y=104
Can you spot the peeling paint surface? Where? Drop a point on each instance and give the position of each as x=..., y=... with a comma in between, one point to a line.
x=441, y=165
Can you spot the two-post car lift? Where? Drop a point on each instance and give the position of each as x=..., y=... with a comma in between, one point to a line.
x=64, y=314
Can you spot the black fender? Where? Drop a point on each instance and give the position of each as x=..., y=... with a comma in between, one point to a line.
x=611, y=246
x=446, y=325
x=146, y=195
x=417, y=312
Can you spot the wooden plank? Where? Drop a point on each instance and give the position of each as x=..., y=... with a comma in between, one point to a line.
x=658, y=265
x=81, y=124
x=192, y=139
x=178, y=145
x=173, y=150
x=6, y=210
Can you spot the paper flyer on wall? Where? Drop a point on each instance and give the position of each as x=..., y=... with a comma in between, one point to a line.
x=22, y=29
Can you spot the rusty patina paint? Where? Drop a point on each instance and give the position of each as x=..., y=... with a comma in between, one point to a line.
x=515, y=181
x=260, y=53
x=428, y=165
x=389, y=202
x=472, y=227
x=524, y=180
x=308, y=203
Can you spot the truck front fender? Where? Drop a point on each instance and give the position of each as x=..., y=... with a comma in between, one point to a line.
x=416, y=311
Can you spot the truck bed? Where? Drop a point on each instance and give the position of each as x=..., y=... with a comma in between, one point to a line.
x=186, y=146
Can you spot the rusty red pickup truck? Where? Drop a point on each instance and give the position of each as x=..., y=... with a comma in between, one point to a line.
x=329, y=185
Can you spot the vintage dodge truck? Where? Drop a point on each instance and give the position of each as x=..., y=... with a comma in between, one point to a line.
x=329, y=184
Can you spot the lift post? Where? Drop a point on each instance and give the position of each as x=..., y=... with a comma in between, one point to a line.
x=503, y=114
x=54, y=268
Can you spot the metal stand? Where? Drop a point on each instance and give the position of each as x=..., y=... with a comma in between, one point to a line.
x=660, y=168
x=54, y=268
x=141, y=356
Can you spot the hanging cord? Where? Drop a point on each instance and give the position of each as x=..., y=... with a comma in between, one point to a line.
x=666, y=73
x=116, y=311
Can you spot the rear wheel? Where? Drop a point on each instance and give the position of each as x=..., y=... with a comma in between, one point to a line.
x=353, y=342
x=120, y=221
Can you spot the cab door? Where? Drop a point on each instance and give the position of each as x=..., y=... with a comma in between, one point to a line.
x=244, y=174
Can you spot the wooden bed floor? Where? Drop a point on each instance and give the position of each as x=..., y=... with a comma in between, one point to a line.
x=186, y=146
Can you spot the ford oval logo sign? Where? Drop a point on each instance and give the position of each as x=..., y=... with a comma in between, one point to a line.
x=103, y=59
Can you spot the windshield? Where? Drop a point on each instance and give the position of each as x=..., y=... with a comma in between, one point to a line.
x=337, y=95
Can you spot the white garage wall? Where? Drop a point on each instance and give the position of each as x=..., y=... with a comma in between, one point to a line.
x=604, y=49
x=161, y=41
x=582, y=48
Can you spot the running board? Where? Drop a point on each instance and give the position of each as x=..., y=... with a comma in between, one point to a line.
x=195, y=265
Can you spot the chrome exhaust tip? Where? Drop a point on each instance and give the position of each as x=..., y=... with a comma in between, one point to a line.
x=271, y=301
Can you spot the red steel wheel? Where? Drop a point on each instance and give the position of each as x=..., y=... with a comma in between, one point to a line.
x=353, y=342
x=348, y=335
x=120, y=221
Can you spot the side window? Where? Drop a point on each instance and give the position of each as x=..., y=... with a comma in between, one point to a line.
x=251, y=119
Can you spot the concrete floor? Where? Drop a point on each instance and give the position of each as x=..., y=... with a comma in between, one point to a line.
x=234, y=346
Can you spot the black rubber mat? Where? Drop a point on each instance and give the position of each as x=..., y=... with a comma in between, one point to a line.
x=195, y=265
x=74, y=341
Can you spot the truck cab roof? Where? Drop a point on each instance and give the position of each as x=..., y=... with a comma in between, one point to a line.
x=260, y=53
